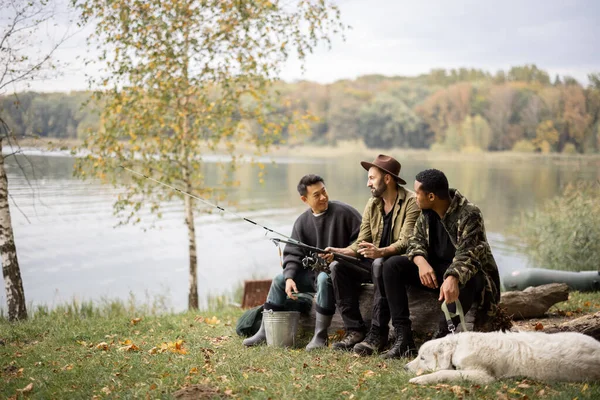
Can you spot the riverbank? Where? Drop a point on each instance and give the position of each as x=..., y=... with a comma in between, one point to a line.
x=358, y=149
x=121, y=352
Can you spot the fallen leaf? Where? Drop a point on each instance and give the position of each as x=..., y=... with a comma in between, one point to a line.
x=194, y=370
x=105, y=390
x=584, y=388
x=67, y=367
x=131, y=347
x=135, y=321
x=229, y=392
x=523, y=386
x=319, y=377
x=540, y=393
x=102, y=346
x=369, y=373
x=539, y=326
x=26, y=389
x=153, y=386
x=501, y=396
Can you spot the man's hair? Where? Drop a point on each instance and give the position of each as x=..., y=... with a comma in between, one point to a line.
x=434, y=181
x=308, y=180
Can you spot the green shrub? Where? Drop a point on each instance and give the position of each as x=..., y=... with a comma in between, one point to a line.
x=565, y=232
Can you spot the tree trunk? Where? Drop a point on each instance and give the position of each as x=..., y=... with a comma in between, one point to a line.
x=189, y=220
x=15, y=296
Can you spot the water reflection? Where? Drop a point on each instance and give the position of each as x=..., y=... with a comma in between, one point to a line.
x=70, y=249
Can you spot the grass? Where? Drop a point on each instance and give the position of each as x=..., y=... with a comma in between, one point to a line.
x=114, y=351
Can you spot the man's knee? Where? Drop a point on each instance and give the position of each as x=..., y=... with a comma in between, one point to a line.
x=334, y=269
x=278, y=281
x=323, y=280
x=396, y=265
x=377, y=268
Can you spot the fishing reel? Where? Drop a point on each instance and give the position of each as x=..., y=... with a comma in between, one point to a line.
x=316, y=263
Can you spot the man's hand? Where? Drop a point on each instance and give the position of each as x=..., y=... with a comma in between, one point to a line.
x=326, y=256
x=344, y=251
x=449, y=290
x=290, y=288
x=368, y=250
x=427, y=275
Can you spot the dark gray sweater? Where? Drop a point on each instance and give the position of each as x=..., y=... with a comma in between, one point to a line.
x=337, y=227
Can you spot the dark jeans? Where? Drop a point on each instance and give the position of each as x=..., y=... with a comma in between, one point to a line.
x=399, y=271
x=347, y=279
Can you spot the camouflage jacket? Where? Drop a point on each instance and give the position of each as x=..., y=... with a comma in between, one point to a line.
x=464, y=223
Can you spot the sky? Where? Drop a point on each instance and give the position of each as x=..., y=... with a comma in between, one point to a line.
x=408, y=38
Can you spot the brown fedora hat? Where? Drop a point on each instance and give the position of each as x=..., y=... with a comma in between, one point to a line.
x=387, y=164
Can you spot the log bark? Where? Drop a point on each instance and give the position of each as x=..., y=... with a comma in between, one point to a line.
x=534, y=302
x=588, y=325
x=425, y=312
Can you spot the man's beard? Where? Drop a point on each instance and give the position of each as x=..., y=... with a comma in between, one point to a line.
x=379, y=191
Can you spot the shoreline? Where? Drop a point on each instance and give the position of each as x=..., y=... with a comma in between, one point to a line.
x=353, y=149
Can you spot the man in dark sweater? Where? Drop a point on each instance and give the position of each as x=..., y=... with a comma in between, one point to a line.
x=326, y=223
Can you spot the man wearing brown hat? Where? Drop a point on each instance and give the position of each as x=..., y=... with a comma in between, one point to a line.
x=387, y=224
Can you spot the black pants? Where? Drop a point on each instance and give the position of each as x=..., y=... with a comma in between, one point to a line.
x=398, y=272
x=347, y=279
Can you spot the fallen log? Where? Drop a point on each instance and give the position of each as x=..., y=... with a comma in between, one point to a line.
x=588, y=325
x=425, y=312
x=535, y=301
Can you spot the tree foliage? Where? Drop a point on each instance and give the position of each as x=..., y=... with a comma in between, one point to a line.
x=513, y=104
x=184, y=78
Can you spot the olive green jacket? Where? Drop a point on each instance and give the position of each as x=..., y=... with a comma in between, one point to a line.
x=464, y=223
x=405, y=214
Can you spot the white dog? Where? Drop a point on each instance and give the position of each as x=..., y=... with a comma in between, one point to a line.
x=485, y=357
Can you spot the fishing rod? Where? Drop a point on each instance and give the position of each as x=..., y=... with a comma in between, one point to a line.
x=213, y=205
x=276, y=241
x=316, y=250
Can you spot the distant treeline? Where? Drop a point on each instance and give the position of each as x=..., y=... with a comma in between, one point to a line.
x=465, y=109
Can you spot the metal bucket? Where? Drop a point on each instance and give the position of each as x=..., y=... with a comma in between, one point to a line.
x=280, y=327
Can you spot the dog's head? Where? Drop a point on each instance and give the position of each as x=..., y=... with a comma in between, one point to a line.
x=434, y=355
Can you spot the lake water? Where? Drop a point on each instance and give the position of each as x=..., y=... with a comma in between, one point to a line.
x=69, y=248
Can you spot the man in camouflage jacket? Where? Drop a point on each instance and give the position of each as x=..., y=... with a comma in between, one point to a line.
x=448, y=247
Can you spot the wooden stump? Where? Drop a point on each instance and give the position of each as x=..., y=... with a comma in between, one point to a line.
x=425, y=312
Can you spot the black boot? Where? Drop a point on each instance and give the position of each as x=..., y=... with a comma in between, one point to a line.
x=319, y=340
x=375, y=342
x=404, y=345
x=349, y=341
x=258, y=338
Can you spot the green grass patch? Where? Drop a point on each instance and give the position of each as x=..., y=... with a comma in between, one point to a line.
x=111, y=352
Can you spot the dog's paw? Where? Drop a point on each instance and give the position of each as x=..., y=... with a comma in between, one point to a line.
x=419, y=380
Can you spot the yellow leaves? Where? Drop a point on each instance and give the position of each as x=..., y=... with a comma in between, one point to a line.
x=67, y=367
x=172, y=347
x=128, y=345
x=135, y=321
x=208, y=321
x=368, y=373
x=102, y=346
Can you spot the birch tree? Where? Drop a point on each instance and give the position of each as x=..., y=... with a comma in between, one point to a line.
x=25, y=55
x=185, y=77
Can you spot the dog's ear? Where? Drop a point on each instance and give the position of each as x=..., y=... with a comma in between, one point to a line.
x=443, y=355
